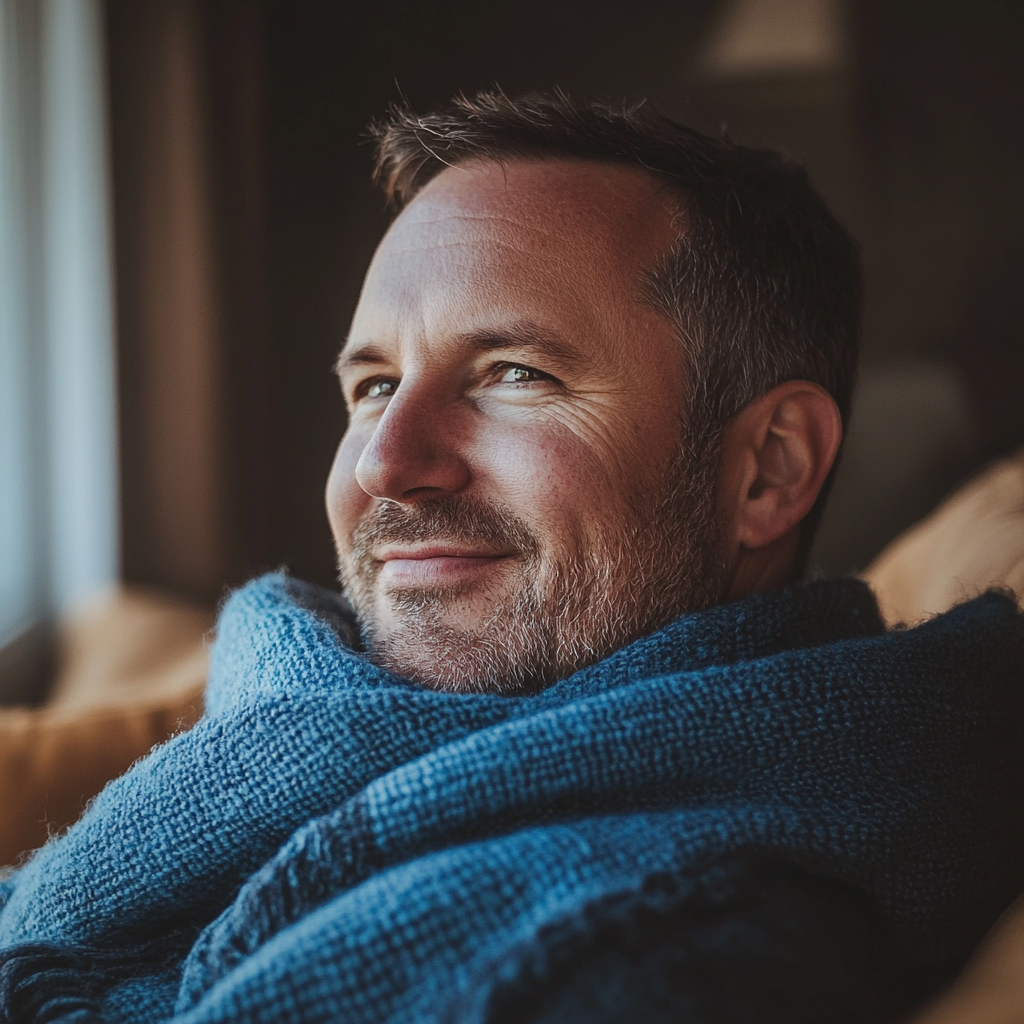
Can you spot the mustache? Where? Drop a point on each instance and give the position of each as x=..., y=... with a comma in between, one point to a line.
x=452, y=518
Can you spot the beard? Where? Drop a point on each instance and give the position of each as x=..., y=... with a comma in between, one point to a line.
x=565, y=609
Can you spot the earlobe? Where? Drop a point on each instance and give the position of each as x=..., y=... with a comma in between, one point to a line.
x=782, y=447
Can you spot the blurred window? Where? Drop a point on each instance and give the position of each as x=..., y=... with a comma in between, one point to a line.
x=58, y=457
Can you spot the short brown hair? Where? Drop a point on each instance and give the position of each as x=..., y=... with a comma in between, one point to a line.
x=764, y=284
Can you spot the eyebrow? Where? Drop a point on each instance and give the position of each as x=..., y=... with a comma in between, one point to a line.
x=523, y=334
x=364, y=355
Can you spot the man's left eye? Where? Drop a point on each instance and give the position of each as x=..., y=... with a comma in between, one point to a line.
x=520, y=375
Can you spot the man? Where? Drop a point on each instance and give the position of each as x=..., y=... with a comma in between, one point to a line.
x=527, y=383
x=577, y=750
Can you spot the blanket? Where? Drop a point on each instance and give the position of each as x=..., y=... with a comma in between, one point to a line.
x=770, y=810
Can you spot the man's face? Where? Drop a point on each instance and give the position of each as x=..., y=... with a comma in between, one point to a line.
x=511, y=500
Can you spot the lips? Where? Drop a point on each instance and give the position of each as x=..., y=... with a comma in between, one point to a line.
x=435, y=564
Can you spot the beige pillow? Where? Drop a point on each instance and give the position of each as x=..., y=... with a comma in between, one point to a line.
x=54, y=760
x=132, y=670
x=990, y=990
x=973, y=541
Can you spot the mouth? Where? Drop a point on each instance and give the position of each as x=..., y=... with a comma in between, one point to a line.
x=437, y=565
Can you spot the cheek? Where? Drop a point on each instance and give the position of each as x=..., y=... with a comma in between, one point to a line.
x=552, y=479
x=346, y=500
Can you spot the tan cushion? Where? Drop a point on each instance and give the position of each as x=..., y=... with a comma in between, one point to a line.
x=990, y=990
x=132, y=670
x=54, y=760
x=130, y=644
x=973, y=541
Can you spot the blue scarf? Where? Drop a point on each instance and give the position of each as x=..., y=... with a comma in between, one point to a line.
x=770, y=810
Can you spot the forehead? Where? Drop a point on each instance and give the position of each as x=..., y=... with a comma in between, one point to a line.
x=614, y=208
x=567, y=239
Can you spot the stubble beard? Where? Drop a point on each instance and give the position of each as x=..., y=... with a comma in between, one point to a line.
x=561, y=611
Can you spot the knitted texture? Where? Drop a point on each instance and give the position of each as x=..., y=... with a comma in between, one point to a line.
x=771, y=810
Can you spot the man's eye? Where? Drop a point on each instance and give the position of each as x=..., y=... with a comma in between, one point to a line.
x=377, y=389
x=520, y=375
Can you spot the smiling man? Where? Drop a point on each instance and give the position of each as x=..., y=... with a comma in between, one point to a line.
x=511, y=500
x=575, y=747
x=522, y=488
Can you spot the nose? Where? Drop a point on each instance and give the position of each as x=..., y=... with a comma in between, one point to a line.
x=414, y=452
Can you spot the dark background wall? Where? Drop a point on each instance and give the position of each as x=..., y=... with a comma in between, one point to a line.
x=244, y=219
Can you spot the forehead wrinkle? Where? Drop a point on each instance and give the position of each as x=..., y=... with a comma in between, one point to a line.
x=577, y=267
x=419, y=236
x=622, y=215
x=612, y=195
x=451, y=244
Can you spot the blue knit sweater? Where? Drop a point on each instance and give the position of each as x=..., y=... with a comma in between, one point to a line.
x=770, y=811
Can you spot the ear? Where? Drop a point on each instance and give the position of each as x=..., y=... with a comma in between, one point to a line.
x=776, y=454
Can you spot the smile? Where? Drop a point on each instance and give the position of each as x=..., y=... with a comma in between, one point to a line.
x=436, y=565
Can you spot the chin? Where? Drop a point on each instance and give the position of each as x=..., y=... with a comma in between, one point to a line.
x=459, y=650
